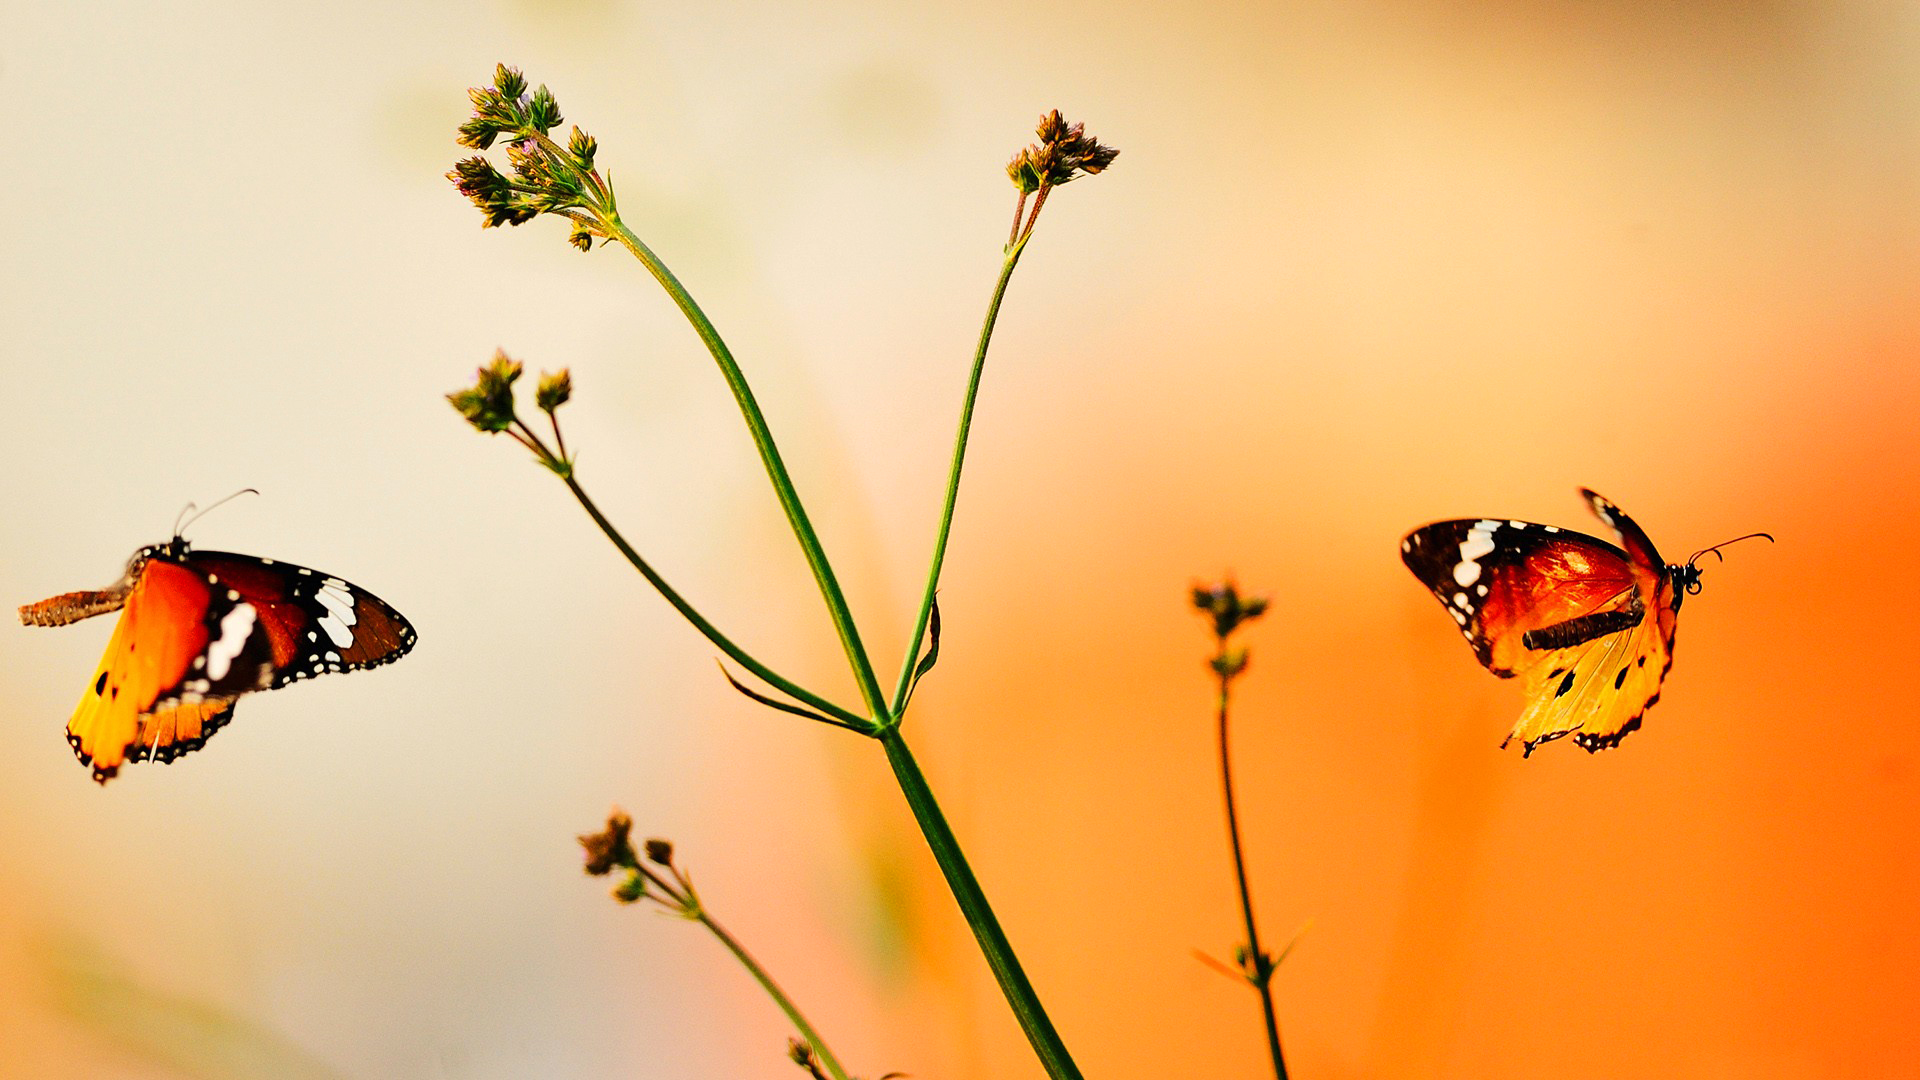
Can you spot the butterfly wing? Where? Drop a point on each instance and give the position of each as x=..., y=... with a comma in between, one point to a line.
x=316, y=623
x=1596, y=691
x=180, y=654
x=1589, y=624
x=1504, y=580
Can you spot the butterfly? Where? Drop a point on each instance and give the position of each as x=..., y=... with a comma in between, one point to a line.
x=197, y=630
x=1589, y=625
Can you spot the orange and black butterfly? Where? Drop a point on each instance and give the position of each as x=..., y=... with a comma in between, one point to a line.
x=1589, y=624
x=197, y=630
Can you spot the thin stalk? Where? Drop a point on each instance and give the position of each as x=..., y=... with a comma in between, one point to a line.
x=686, y=610
x=973, y=904
x=905, y=681
x=779, y=996
x=770, y=457
x=1262, y=978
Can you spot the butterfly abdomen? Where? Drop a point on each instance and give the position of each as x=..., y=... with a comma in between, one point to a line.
x=1583, y=629
x=72, y=607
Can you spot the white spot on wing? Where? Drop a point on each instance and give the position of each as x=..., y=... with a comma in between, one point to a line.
x=337, y=598
x=235, y=627
x=336, y=630
x=1479, y=542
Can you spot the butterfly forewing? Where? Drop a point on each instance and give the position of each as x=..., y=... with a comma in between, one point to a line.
x=316, y=623
x=1500, y=580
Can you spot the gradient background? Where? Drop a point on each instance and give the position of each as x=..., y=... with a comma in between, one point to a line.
x=1358, y=267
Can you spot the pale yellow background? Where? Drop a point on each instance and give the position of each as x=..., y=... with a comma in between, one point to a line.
x=1359, y=266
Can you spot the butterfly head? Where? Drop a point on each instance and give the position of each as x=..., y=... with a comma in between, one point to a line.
x=1686, y=581
x=1687, y=578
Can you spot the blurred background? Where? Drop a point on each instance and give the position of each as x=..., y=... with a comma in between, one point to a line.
x=1358, y=267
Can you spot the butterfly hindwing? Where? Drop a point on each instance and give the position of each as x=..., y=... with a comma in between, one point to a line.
x=168, y=733
x=180, y=646
x=1597, y=691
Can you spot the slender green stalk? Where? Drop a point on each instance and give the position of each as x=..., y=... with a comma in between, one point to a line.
x=739, y=655
x=779, y=996
x=1261, y=970
x=905, y=682
x=770, y=457
x=973, y=904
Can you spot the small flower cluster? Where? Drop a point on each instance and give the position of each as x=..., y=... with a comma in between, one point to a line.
x=1065, y=152
x=612, y=849
x=547, y=177
x=488, y=406
x=1228, y=609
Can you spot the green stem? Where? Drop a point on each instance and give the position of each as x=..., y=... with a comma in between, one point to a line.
x=905, y=681
x=739, y=655
x=770, y=457
x=1263, y=972
x=973, y=904
x=779, y=997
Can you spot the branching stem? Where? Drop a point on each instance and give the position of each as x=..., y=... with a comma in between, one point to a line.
x=770, y=457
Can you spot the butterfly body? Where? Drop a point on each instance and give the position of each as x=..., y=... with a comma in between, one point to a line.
x=197, y=630
x=1588, y=625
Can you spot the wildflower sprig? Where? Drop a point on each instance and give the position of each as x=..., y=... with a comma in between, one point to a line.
x=488, y=406
x=658, y=880
x=1227, y=610
x=549, y=178
x=1065, y=152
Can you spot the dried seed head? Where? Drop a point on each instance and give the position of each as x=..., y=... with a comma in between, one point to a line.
x=610, y=848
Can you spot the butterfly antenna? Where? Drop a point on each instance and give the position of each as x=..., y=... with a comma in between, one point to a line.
x=183, y=520
x=1715, y=549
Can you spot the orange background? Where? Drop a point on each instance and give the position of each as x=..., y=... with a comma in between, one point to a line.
x=1357, y=268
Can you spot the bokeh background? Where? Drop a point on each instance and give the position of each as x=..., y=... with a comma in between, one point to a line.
x=1357, y=268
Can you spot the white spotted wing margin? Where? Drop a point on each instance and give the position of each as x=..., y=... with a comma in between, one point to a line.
x=1588, y=624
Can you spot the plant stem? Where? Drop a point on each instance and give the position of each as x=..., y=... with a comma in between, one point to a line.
x=682, y=900
x=779, y=997
x=973, y=904
x=769, y=457
x=1262, y=977
x=905, y=682
x=739, y=655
